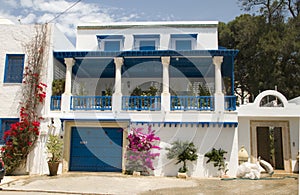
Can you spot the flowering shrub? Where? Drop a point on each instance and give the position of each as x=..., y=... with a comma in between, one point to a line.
x=140, y=155
x=21, y=137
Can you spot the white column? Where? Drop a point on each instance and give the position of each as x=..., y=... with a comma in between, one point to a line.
x=117, y=96
x=219, y=96
x=165, y=96
x=66, y=96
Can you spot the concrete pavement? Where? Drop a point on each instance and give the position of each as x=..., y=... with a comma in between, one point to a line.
x=89, y=183
x=112, y=183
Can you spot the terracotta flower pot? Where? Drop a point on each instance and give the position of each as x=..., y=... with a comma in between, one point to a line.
x=53, y=167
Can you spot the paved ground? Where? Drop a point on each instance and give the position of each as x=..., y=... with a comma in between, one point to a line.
x=91, y=183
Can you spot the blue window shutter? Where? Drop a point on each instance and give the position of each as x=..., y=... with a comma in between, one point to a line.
x=111, y=45
x=14, y=68
x=183, y=45
x=147, y=45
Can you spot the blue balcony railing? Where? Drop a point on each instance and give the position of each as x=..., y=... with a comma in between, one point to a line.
x=90, y=103
x=141, y=103
x=55, y=103
x=230, y=103
x=192, y=103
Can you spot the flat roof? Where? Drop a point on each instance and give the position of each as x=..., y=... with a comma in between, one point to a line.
x=148, y=24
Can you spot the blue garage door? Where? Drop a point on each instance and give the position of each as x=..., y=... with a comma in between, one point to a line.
x=96, y=149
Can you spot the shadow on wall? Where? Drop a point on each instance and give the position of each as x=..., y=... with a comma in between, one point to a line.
x=225, y=142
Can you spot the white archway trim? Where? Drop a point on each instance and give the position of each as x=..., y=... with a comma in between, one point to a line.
x=259, y=98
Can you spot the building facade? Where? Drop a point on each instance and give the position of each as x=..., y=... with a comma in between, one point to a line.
x=172, y=76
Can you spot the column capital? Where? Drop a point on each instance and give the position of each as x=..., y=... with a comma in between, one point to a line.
x=119, y=61
x=165, y=60
x=218, y=60
x=70, y=61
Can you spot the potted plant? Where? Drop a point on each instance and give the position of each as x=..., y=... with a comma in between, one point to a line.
x=54, y=148
x=58, y=87
x=218, y=159
x=182, y=152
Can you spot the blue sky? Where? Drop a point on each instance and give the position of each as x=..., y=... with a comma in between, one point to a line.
x=39, y=11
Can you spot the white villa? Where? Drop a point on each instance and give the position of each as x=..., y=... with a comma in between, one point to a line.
x=171, y=75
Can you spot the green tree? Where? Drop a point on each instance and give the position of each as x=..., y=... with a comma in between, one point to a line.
x=268, y=57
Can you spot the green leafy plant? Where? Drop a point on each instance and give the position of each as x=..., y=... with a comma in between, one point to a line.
x=182, y=152
x=54, y=148
x=218, y=159
x=58, y=87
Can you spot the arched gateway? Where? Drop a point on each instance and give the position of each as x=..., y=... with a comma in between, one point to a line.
x=269, y=128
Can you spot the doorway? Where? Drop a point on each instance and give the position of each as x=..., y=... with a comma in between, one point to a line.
x=271, y=141
x=269, y=146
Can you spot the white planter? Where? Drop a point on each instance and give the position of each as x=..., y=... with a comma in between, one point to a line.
x=182, y=175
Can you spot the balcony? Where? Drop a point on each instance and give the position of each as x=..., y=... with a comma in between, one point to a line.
x=91, y=103
x=230, y=103
x=139, y=103
x=143, y=103
x=55, y=103
x=198, y=103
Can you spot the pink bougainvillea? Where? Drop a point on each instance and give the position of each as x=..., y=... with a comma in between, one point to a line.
x=140, y=150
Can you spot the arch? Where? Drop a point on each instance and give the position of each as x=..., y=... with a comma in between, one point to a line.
x=262, y=95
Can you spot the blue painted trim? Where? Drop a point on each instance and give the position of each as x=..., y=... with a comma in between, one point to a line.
x=55, y=103
x=153, y=36
x=174, y=36
x=62, y=120
x=91, y=103
x=6, y=67
x=139, y=103
x=192, y=103
x=145, y=53
x=230, y=103
x=232, y=75
x=100, y=37
x=219, y=124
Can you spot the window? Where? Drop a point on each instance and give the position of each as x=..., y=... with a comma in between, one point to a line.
x=146, y=42
x=183, y=41
x=183, y=44
x=14, y=68
x=5, y=126
x=112, y=46
x=147, y=45
x=110, y=42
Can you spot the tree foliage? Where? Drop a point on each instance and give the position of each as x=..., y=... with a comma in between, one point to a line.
x=269, y=51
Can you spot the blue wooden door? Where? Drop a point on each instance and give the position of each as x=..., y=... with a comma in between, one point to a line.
x=96, y=149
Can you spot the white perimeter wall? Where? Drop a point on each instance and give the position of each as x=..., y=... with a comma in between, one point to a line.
x=204, y=138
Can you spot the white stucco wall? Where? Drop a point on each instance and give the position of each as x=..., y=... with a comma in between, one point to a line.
x=60, y=41
x=207, y=36
x=204, y=138
x=12, y=38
